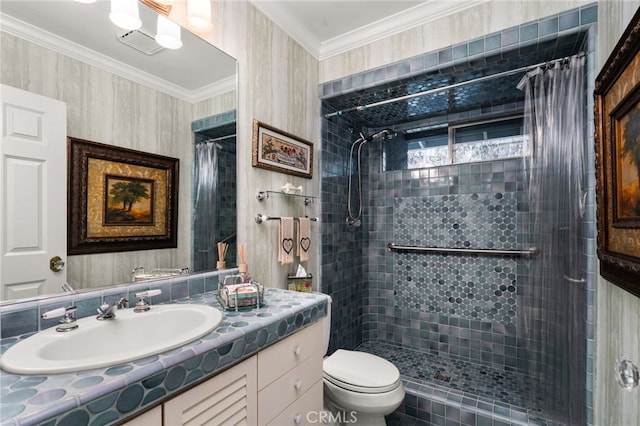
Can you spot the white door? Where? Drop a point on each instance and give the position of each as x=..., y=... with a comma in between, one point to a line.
x=33, y=194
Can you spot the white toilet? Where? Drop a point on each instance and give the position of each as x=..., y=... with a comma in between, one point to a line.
x=359, y=388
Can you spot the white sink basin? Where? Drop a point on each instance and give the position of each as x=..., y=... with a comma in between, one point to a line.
x=127, y=337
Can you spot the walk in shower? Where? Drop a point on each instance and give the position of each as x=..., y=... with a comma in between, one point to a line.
x=499, y=334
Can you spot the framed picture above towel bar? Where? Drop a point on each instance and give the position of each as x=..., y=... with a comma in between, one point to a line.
x=277, y=150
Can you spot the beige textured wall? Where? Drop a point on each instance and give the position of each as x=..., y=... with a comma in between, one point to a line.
x=617, y=312
x=278, y=86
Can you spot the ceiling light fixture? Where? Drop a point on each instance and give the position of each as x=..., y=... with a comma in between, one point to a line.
x=125, y=14
x=199, y=15
x=168, y=33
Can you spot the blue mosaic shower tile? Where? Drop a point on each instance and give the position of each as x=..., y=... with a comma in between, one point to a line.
x=217, y=120
x=570, y=19
x=477, y=220
x=509, y=37
x=529, y=32
x=548, y=26
x=588, y=15
x=445, y=56
x=492, y=42
x=476, y=47
x=464, y=286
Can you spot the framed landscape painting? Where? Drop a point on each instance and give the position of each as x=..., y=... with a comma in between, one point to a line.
x=120, y=199
x=617, y=135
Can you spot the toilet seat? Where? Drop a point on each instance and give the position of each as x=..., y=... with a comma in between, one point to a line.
x=361, y=372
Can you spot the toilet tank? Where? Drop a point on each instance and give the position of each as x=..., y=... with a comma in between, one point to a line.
x=326, y=327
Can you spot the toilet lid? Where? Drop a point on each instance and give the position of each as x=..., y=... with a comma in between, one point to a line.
x=360, y=371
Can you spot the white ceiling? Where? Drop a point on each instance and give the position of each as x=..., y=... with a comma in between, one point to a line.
x=323, y=27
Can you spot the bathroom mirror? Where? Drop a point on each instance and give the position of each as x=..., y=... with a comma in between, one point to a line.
x=197, y=80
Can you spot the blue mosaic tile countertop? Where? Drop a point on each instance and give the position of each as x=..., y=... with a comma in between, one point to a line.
x=104, y=396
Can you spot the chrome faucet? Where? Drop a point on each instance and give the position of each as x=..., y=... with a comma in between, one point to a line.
x=136, y=271
x=106, y=311
x=142, y=305
x=67, y=323
x=66, y=287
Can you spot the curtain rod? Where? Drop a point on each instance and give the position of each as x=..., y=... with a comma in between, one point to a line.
x=219, y=138
x=451, y=86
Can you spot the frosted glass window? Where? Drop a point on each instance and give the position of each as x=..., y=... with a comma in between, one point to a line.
x=489, y=141
x=428, y=151
x=440, y=145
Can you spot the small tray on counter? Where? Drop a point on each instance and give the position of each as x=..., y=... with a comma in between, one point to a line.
x=235, y=294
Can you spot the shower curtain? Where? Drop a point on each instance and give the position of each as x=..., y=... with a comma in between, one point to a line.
x=205, y=178
x=553, y=322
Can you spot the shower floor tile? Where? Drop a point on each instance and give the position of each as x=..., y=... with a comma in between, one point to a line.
x=503, y=392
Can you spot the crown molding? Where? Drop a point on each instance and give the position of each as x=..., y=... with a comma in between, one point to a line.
x=290, y=24
x=33, y=34
x=214, y=89
x=416, y=16
x=429, y=11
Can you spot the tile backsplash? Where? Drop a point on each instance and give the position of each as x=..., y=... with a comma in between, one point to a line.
x=25, y=317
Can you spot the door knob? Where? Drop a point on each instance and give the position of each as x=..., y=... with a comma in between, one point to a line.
x=56, y=264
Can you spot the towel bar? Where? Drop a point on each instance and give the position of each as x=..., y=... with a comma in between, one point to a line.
x=262, y=217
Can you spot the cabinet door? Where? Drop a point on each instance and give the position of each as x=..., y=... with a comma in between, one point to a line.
x=284, y=391
x=230, y=398
x=276, y=360
x=305, y=411
x=151, y=417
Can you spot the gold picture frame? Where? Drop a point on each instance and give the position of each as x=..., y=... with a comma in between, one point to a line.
x=277, y=150
x=120, y=199
x=617, y=115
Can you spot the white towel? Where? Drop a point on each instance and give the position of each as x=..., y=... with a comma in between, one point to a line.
x=304, y=238
x=285, y=241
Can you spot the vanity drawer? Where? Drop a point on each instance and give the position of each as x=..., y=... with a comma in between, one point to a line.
x=304, y=411
x=276, y=360
x=284, y=391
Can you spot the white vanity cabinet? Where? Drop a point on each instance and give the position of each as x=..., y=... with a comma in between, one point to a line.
x=228, y=398
x=290, y=379
x=280, y=386
x=151, y=417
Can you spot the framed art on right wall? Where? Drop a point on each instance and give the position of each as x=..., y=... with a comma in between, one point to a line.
x=617, y=136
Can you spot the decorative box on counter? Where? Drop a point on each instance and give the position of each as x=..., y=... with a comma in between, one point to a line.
x=303, y=284
x=235, y=294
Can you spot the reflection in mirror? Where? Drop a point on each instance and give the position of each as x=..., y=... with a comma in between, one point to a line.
x=117, y=95
x=214, y=192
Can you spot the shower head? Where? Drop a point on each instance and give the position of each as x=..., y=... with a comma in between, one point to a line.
x=382, y=134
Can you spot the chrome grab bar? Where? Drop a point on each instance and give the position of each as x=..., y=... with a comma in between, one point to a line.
x=496, y=252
